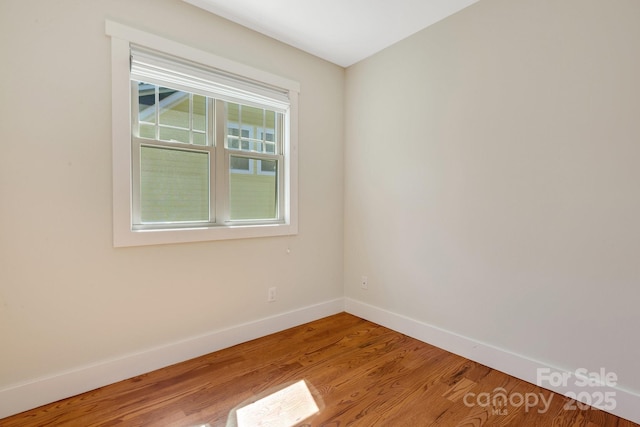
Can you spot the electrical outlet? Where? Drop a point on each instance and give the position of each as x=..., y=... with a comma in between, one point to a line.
x=364, y=282
x=271, y=294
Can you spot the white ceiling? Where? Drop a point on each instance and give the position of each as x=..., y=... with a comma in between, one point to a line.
x=340, y=31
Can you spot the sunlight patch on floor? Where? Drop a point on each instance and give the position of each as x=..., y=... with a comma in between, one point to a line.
x=283, y=408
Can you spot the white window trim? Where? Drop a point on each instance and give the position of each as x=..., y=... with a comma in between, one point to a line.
x=123, y=235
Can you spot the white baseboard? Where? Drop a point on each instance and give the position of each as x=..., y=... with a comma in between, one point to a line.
x=40, y=391
x=627, y=403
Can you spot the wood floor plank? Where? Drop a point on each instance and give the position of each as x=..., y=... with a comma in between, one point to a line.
x=360, y=373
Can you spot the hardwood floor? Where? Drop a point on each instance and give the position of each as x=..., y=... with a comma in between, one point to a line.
x=360, y=374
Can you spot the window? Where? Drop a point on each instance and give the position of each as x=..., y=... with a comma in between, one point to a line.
x=207, y=150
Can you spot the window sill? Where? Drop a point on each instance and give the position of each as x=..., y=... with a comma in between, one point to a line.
x=128, y=237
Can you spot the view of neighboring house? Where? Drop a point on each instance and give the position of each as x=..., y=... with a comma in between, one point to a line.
x=175, y=175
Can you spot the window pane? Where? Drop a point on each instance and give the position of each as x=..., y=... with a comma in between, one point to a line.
x=199, y=138
x=252, y=116
x=199, y=112
x=174, y=185
x=182, y=116
x=256, y=128
x=240, y=164
x=268, y=166
x=233, y=113
x=245, y=142
x=174, y=115
x=147, y=103
x=173, y=134
x=269, y=137
x=174, y=108
x=270, y=119
x=252, y=195
x=147, y=131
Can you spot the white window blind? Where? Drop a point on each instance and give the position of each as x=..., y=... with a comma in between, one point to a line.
x=154, y=67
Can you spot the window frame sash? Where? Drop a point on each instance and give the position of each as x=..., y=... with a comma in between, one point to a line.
x=136, y=147
x=219, y=172
x=122, y=37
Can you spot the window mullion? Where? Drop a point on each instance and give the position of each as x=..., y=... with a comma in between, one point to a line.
x=135, y=107
x=220, y=173
x=157, y=110
x=190, y=118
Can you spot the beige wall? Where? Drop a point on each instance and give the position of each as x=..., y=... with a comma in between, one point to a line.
x=490, y=187
x=67, y=297
x=491, y=180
